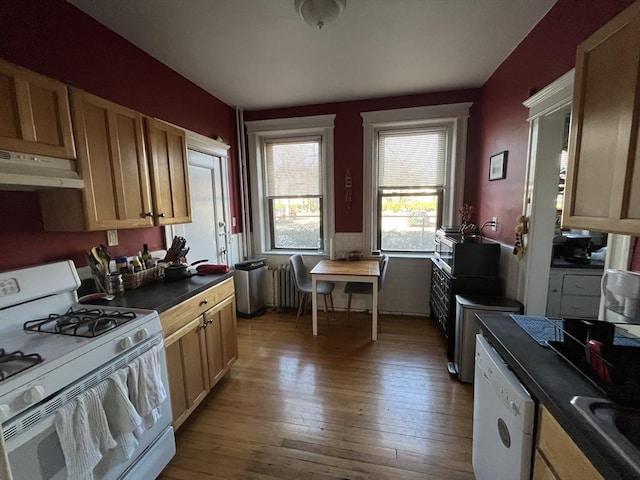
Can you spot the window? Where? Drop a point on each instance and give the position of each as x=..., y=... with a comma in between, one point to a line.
x=294, y=192
x=291, y=200
x=414, y=158
x=411, y=166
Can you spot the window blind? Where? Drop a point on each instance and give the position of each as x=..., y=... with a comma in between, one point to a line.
x=293, y=168
x=415, y=158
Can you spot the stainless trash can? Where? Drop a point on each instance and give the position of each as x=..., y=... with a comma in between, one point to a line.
x=250, y=277
x=467, y=327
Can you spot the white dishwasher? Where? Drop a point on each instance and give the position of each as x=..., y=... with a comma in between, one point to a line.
x=503, y=417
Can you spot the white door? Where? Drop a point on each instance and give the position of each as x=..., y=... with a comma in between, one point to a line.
x=207, y=236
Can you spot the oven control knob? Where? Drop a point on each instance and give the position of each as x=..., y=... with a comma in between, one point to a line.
x=126, y=343
x=33, y=395
x=142, y=334
x=4, y=412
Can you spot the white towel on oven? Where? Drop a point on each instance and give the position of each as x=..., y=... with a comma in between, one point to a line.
x=84, y=434
x=123, y=420
x=146, y=389
x=96, y=429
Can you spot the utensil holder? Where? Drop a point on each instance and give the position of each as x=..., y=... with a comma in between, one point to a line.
x=143, y=277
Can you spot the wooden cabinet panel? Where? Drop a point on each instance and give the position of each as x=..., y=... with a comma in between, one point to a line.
x=229, y=335
x=34, y=113
x=561, y=455
x=222, y=338
x=214, y=348
x=169, y=173
x=187, y=369
x=603, y=181
x=175, y=373
x=541, y=469
x=199, y=350
x=112, y=162
x=176, y=317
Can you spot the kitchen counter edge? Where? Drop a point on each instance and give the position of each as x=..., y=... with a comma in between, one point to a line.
x=553, y=382
x=162, y=295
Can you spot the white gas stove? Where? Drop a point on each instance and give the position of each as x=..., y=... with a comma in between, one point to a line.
x=52, y=349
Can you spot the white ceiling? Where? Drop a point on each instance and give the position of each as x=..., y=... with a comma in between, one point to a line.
x=259, y=54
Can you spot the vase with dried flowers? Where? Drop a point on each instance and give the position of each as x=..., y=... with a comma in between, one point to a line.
x=467, y=227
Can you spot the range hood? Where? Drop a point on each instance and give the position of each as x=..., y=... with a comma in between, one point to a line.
x=25, y=171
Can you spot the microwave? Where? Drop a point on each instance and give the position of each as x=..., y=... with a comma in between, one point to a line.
x=472, y=256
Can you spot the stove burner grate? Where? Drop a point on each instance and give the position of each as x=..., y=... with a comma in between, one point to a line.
x=12, y=363
x=82, y=322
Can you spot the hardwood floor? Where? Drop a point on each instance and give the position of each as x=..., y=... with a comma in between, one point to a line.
x=335, y=406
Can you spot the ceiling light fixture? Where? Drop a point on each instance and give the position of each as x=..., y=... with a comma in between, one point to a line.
x=317, y=13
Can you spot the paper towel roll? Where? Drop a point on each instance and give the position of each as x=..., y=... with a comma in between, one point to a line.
x=332, y=249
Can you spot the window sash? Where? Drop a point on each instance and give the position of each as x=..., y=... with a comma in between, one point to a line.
x=417, y=155
x=314, y=244
x=293, y=167
x=408, y=192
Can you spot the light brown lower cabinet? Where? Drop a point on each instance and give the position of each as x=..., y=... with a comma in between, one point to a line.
x=199, y=351
x=556, y=456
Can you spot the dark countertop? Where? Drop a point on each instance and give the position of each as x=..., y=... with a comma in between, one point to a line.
x=553, y=382
x=162, y=295
x=562, y=263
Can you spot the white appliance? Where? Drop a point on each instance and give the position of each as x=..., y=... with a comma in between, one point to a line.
x=503, y=416
x=467, y=307
x=26, y=171
x=621, y=291
x=54, y=351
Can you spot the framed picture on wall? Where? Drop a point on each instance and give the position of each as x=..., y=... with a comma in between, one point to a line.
x=498, y=166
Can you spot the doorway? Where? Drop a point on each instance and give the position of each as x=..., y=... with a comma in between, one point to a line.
x=548, y=110
x=208, y=233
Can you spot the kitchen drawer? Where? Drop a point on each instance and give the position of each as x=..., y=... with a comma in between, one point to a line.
x=579, y=306
x=178, y=316
x=581, y=285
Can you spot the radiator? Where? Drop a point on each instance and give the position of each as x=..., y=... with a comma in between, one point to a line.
x=286, y=293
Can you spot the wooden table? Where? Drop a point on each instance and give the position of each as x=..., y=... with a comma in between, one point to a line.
x=365, y=271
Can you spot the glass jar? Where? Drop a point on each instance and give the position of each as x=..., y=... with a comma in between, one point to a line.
x=115, y=284
x=121, y=265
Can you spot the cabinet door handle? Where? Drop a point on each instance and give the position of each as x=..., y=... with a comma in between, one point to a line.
x=204, y=325
x=161, y=215
x=209, y=322
x=147, y=214
x=203, y=302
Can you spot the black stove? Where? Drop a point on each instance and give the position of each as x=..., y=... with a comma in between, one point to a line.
x=81, y=322
x=12, y=363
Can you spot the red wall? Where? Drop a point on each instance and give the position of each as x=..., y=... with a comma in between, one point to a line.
x=544, y=55
x=54, y=38
x=348, y=140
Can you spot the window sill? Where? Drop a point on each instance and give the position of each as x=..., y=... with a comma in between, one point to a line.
x=311, y=253
x=428, y=255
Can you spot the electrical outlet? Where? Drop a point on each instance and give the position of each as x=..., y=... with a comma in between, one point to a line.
x=8, y=286
x=494, y=224
x=112, y=238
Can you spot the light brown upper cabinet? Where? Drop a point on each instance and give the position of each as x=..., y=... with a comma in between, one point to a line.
x=134, y=177
x=169, y=172
x=34, y=114
x=113, y=164
x=603, y=181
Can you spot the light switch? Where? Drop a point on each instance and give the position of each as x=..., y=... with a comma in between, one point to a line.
x=112, y=238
